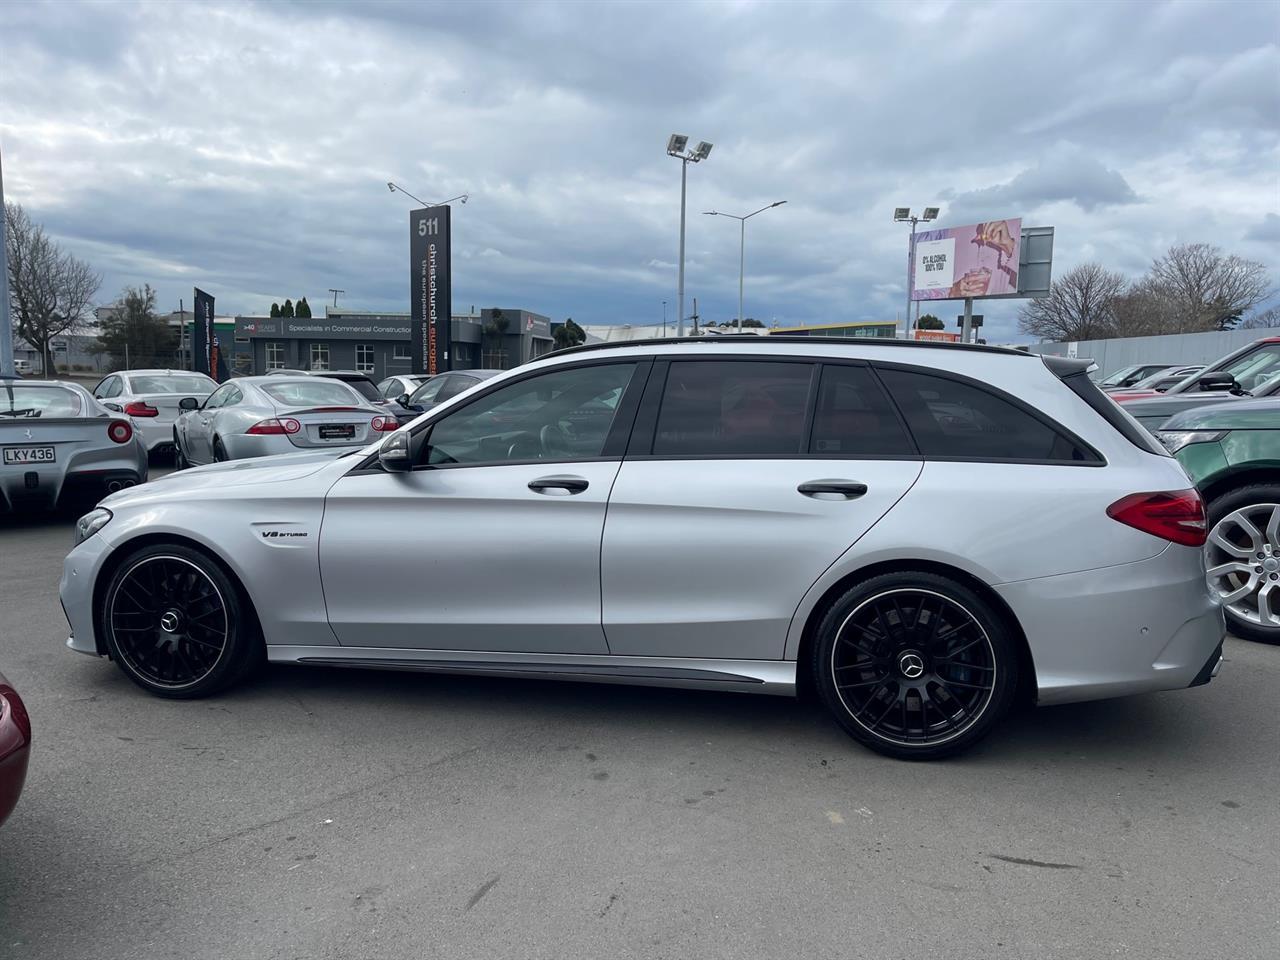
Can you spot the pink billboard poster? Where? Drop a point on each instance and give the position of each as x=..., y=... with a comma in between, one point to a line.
x=980, y=260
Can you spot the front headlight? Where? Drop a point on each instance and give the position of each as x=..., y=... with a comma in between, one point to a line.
x=91, y=523
x=1175, y=440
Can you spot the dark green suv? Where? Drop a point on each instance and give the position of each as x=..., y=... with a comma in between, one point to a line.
x=1232, y=452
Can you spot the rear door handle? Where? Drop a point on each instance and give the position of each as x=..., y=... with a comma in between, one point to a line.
x=845, y=489
x=567, y=484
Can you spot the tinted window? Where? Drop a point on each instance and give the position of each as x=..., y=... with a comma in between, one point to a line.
x=110, y=387
x=954, y=419
x=854, y=417
x=218, y=397
x=453, y=386
x=733, y=408
x=172, y=383
x=17, y=400
x=316, y=392
x=562, y=415
x=425, y=395
x=365, y=388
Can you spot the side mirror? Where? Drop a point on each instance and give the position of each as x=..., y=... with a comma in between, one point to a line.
x=188, y=403
x=403, y=400
x=1218, y=380
x=394, y=454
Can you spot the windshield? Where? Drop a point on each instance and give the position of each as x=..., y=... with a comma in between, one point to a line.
x=172, y=383
x=365, y=388
x=1118, y=378
x=1251, y=369
x=17, y=400
x=1162, y=377
x=311, y=393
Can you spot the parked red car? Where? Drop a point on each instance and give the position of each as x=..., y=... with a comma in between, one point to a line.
x=15, y=745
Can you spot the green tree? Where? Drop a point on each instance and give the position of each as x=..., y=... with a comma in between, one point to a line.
x=303, y=309
x=287, y=309
x=134, y=336
x=928, y=321
x=569, y=334
x=749, y=322
x=275, y=309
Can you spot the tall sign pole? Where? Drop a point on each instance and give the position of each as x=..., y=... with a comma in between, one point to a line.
x=431, y=290
x=6, y=320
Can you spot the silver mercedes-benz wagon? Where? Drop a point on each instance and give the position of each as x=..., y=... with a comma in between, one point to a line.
x=921, y=534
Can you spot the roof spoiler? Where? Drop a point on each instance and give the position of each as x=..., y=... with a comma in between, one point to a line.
x=1063, y=367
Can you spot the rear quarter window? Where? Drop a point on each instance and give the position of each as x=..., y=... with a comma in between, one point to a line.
x=958, y=420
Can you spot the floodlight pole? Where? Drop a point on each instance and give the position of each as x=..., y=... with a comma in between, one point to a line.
x=6, y=321
x=684, y=175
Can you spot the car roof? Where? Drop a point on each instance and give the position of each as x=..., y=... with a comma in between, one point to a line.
x=732, y=339
x=158, y=372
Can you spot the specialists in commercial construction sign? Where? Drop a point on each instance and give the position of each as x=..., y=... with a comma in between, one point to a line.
x=430, y=289
x=980, y=260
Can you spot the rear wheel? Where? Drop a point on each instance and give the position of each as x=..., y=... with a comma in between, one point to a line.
x=915, y=665
x=179, y=458
x=219, y=451
x=177, y=625
x=1242, y=560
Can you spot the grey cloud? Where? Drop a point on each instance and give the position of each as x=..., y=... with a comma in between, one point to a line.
x=1266, y=230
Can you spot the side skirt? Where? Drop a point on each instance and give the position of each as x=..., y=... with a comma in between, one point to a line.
x=776, y=677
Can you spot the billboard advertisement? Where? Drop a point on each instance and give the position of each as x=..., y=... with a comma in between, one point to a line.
x=431, y=296
x=979, y=260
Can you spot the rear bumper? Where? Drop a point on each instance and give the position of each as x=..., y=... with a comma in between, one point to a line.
x=41, y=487
x=155, y=432
x=1130, y=628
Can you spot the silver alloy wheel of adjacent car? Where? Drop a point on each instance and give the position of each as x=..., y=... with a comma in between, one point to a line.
x=1242, y=560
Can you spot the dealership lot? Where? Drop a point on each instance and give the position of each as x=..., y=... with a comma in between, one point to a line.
x=326, y=813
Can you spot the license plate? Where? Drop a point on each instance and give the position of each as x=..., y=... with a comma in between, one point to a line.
x=15, y=455
x=337, y=431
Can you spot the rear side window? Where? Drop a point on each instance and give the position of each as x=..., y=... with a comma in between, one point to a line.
x=854, y=418
x=953, y=419
x=1112, y=412
x=733, y=408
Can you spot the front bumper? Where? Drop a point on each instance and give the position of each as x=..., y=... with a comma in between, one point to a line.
x=80, y=572
x=1129, y=628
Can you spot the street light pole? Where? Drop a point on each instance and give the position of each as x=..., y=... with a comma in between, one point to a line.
x=462, y=197
x=6, y=321
x=676, y=144
x=664, y=318
x=742, y=246
x=904, y=215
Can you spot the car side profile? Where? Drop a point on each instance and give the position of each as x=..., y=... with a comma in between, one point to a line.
x=1232, y=452
x=920, y=533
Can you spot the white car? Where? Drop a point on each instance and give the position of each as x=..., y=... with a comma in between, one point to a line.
x=151, y=398
x=923, y=532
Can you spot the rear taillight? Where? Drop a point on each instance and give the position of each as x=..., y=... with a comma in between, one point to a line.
x=1176, y=515
x=140, y=408
x=276, y=426
x=385, y=424
x=120, y=431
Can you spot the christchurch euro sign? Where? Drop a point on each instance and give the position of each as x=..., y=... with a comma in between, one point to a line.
x=980, y=260
x=430, y=289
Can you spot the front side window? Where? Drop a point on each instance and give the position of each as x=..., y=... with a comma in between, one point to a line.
x=956, y=420
x=854, y=418
x=219, y=397
x=425, y=395
x=275, y=356
x=1254, y=369
x=364, y=357
x=111, y=387
x=453, y=386
x=716, y=408
x=534, y=419
x=319, y=356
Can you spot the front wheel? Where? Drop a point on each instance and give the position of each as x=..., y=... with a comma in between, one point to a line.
x=915, y=665
x=1242, y=560
x=176, y=624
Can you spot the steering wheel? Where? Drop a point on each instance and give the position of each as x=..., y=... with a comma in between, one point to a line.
x=555, y=442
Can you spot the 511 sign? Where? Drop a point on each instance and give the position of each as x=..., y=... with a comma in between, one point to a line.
x=431, y=294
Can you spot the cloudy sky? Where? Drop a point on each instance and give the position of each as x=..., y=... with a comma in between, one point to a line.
x=244, y=148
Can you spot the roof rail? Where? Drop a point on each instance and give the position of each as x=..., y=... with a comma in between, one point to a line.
x=730, y=338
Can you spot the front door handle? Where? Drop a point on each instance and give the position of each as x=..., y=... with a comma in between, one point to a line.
x=567, y=484
x=844, y=489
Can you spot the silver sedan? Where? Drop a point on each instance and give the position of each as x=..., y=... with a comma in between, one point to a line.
x=58, y=443
x=262, y=416
x=151, y=398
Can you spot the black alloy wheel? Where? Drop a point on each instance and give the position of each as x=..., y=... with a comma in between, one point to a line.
x=176, y=624
x=915, y=665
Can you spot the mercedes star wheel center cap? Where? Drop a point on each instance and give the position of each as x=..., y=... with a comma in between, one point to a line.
x=169, y=621
x=911, y=665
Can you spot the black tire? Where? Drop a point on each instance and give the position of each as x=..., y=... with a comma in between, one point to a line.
x=874, y=638
x=1220, y=507
x=179, y=458
x=219, y=451
x=213, y=640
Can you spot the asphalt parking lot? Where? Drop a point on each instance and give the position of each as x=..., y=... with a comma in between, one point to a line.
x=319, y=813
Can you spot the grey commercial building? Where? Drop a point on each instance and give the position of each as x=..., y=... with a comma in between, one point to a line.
x=378, y=343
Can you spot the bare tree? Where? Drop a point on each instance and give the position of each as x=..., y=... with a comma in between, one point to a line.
x=1144, y=309
x=1079, y=306
x=1262, y=319
x=1207, y=289
x=50, y=290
